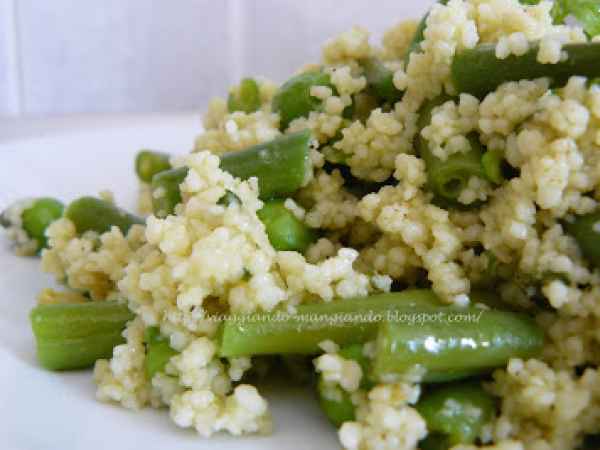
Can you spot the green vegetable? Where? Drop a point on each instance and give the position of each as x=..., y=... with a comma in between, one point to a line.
x=448, y=178
x=455, y=413
x=74, y=336
x=335, y=403
x=282, y=166
x=246, y=98
x=380, y=80
x=158, y=352
x=586, y=231
x=481, y=340
x=280, y=333
x=492, y=161
x=285, y=231
x=293, y=98
x=587, y=12
x=148, y=163
x=477, y=71
x=356, y=352
x=39, y=216
x=93, y=214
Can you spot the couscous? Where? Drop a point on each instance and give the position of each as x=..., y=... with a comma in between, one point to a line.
x=418, y=220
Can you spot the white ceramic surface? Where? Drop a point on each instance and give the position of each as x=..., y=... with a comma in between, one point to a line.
x=41, y=410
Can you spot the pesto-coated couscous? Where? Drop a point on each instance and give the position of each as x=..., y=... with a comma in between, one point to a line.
x=446, y=181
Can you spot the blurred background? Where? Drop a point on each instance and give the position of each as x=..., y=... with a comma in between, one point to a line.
x=62, y=57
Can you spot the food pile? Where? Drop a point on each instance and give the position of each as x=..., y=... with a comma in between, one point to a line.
x=410, y=229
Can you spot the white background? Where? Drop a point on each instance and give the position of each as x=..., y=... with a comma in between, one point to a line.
x=88, y=56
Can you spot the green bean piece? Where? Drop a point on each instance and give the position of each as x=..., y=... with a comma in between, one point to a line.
x=469, y=339
x=158, y=352
x=245, y=98
x=297, y=334
x=586, y=231
x=492, y=161
x=345, y=322
x=380, y=80
x=335, y=403
x=93, y=214
x=148, y=163
x=282, y=165
x=448, y=178
x=364, y=103
x=477, y=71
x=286, y=232
x=415, y=44
x=293, y=98
x=587, y=12
x=38, y=217
x=166, y=194
x=74, y=336
x=457, y=412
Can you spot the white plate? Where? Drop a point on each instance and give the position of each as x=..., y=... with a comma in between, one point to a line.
x=45, y=410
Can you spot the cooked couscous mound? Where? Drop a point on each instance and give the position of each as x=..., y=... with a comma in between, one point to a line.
x=505, y=235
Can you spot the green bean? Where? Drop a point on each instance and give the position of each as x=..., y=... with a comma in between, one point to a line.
x=587, y=13
x=456, y=413
x=148, y=163
x=448, y=178
x=93, y=214
x=419, y=37
x=246, y=98
x=282, y=166
x=158, y=352
x=166, y=194
x=295, y=335
x=293, y=99
x=38, y=217
x=492, y=161
x=380, y=80
x=335, y=403
x=469, y=339
x=74, y=336
x=286, y=232
x=477, y=71
x=586, y=231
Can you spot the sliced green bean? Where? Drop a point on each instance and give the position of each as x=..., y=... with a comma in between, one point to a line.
x=280, y=333
x=448, y=178
x=492, y=162
x=158, y=352
x=293, y=99
x=245, y=98
x=469, y=339
x=455, y=413
x=286, y=232
x=477, y=71
x=74, y=336
x=282, y=166
x=380, y=80
x=586, y=231
x=93, y=214
x=587, y=13
x=38, y=217
x=335, y=403
x=148, y=163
